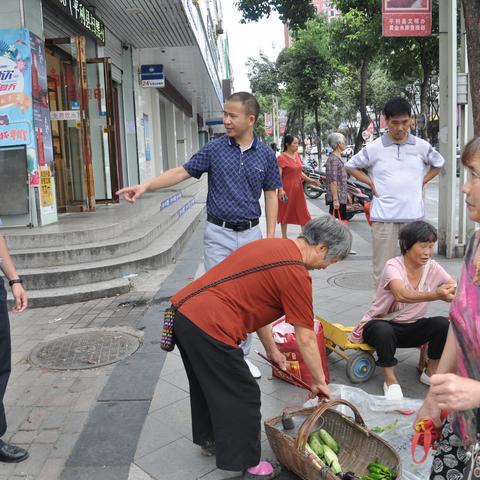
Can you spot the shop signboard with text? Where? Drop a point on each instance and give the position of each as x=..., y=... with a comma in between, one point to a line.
x=152, y=76
x=83, y=16
x=406, y=18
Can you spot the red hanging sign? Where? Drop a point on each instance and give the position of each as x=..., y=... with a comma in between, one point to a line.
x=406, y=18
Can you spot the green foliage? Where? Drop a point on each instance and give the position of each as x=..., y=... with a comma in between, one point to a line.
x=338, y=69
x=412, y=57
x=307, y=67
x=293, y=12
x=381, y=87
x=357, y=31
x=263, y=76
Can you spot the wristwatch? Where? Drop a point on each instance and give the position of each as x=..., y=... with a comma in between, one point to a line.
x=15, y=280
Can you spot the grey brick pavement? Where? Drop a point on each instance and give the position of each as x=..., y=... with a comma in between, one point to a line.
x=47, y=410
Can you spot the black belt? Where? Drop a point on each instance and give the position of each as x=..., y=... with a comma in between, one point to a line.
x=236, y=227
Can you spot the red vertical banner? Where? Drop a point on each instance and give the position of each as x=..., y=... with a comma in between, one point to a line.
x=406, y=18
x=268, y=123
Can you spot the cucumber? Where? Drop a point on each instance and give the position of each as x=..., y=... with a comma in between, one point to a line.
x=328, y=440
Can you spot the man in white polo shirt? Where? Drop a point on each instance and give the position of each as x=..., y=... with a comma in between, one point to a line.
x=397, y=167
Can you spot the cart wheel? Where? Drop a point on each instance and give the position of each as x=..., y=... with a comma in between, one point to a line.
x=360, y=367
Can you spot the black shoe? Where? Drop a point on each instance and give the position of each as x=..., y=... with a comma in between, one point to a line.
x=11, y=453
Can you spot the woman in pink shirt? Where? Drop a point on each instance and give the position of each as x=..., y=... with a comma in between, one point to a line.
x=397, y=317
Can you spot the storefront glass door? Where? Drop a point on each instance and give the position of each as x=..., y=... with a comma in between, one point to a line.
x=69, y=110
x=102, y=128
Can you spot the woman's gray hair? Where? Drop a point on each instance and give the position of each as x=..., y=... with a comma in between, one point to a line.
x=335, y=139
x=326, y=230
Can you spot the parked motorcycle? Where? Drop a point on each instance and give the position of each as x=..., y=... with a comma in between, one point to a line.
x=313, y=191
x=359, y=196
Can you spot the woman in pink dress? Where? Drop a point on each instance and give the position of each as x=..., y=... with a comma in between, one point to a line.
x=292, y=206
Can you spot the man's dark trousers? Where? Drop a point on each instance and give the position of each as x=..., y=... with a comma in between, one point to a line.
x=5, y=354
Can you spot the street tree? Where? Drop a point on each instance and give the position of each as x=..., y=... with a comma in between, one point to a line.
x=357, y=38
x=308, y=70
x=263, y=76
x=382, y=87
x=416, y=60
x=292, y=12
x=344, y=107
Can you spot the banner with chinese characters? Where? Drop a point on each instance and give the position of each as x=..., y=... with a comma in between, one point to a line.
x=268, y=123
x=282, y=121
x=43, y=131
x=406, y=18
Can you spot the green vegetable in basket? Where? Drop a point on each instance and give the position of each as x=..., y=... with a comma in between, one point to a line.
x=379, y=471
x=331, y=460
x=328, y=440
x=316, y=444
x=310, y=450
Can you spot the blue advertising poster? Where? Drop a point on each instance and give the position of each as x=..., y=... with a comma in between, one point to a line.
x=16, y=95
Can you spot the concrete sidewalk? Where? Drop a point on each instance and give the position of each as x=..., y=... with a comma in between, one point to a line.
x=165, y=450
x=132, y=419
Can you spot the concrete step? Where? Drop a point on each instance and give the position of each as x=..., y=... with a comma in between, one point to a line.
x=157, y=253
x=130, y=241
x=109, y=221
x=54, y=297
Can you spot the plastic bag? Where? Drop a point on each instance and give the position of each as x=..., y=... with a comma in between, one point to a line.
x=284, y=337
x=377, y=411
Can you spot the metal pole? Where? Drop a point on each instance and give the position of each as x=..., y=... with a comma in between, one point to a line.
x=464, y=223
x=448, y=127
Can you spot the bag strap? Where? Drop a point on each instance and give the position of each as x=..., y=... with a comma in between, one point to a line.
x=393, y=315
x=234, y=276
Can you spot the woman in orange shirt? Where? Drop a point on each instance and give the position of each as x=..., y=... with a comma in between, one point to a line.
x=210, y=325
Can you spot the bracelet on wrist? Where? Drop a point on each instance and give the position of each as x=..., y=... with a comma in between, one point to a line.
x=14, y=281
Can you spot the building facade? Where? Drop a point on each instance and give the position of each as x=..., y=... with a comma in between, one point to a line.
x=96, y=95
x=326, y=8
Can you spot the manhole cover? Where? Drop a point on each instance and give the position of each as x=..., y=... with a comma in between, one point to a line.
x=353, y=280
x=84, y=350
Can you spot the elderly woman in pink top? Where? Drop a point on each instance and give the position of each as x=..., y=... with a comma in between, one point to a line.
x=397, y=317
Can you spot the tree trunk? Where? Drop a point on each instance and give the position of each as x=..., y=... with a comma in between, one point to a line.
x=472, y=21
x=317, y=129
x=364, y=118
x=291, y=120
x=302, y=127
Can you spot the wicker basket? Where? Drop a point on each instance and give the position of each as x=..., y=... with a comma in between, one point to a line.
x=358, y=446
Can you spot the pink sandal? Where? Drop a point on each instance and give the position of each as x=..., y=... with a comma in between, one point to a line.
x=263, y=471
